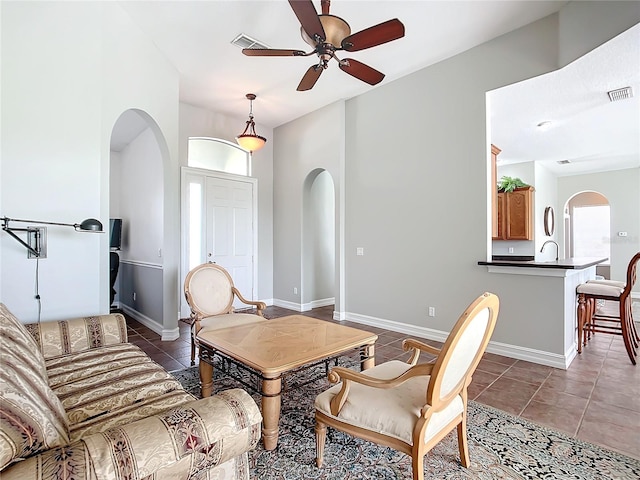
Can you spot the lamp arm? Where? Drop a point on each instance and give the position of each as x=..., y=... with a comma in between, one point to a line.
x=22, y=242
x=88, y=225
x=6, y=221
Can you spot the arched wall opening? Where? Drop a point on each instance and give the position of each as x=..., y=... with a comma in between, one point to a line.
x=587, y=228
x=318, y=241
x=138, y=155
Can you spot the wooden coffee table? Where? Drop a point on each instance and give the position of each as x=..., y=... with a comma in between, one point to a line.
x=272, y=348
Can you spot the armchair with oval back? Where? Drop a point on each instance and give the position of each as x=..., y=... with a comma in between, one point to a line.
x=210, y=293
x=411, y=406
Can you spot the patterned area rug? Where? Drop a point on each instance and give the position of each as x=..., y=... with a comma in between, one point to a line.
x=501, y=446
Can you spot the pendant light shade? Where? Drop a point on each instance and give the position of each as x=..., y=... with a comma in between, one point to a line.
x=249, y=139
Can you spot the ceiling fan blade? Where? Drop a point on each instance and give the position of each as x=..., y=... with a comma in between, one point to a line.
x=308, y=18
x=377, y=35
x=361, y=71
x=272, y=52
x=310, y=78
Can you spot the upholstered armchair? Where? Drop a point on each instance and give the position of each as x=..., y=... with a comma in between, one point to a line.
x=411, y=406
x=210, y=294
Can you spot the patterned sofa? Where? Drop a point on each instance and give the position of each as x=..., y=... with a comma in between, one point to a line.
x=79, y=402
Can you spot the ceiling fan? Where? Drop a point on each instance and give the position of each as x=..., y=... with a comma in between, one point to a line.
x=328, y=34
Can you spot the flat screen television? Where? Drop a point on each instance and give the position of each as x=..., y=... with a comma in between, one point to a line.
x=115, y=233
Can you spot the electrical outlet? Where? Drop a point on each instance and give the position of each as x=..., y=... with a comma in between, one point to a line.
x=134, y=296
x=510, y=249
x=432, y=311
x=295, y=290
x=359, y=251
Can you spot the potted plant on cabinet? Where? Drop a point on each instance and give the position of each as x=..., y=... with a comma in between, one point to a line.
x=509, y=184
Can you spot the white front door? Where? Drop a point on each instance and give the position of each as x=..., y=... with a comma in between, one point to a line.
x=219, y=225
x=229, y=224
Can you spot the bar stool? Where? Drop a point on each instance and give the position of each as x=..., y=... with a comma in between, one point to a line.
x=594, y=318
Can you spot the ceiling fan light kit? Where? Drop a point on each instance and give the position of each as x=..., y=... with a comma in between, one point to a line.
x=328, y=34
x=249, y=139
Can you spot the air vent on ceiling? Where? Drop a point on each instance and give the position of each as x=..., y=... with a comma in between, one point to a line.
x=245, y=41
x=620, y=94
x=563, y=162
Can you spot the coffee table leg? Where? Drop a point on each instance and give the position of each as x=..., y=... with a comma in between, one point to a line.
x=271, y=388
x=206, y=378
x=368, y=356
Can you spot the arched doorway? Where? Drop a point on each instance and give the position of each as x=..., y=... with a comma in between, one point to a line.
x=318, y=241
x=138, y=152
x=587, y=228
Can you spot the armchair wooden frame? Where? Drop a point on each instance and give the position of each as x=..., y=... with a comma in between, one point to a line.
x=212, y=300
x=438, y=395
x=592, y=320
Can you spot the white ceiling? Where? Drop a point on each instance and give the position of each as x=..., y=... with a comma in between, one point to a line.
x=586, y=128
x=196, y=36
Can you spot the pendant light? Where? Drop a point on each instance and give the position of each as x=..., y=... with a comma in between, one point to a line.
x=249, y=139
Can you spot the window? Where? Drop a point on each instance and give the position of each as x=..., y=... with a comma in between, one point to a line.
x=220, y=155
x=591, y=231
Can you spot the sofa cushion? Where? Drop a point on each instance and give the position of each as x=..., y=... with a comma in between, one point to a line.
x=71, y=336
x=23, y=344
x=110, y=386
x=32, y=418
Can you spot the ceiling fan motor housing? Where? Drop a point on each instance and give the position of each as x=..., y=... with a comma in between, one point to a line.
x=335, y=30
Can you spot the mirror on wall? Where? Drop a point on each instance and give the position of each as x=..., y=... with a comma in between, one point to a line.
x=549, y=221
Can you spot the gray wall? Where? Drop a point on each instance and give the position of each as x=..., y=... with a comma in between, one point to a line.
x=416, y=185
x=300, y=147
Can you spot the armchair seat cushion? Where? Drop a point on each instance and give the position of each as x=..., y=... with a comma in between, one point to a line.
x=217, y=322
x=393, y=411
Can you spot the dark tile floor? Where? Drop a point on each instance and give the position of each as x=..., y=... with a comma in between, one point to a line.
x=597, y=399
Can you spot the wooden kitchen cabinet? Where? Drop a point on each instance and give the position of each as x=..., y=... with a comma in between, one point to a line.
x=514, y=212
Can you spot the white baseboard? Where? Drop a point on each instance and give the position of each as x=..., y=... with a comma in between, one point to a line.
x=302, y=307
x=167, y=335
x=318, y=303
x=414, y=330
x=512, y=351
x=290, y=305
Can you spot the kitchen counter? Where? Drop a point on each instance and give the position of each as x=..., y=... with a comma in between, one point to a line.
x=547, y=292
x=574, y=263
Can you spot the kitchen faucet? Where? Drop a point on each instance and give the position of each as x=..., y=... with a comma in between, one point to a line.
x=557, y=248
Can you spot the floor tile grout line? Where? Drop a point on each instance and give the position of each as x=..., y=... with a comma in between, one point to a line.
x=143, y=332
x=535, y=393
x=589, y=399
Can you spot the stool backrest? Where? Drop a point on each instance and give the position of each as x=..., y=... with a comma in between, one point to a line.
x=631, y=276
